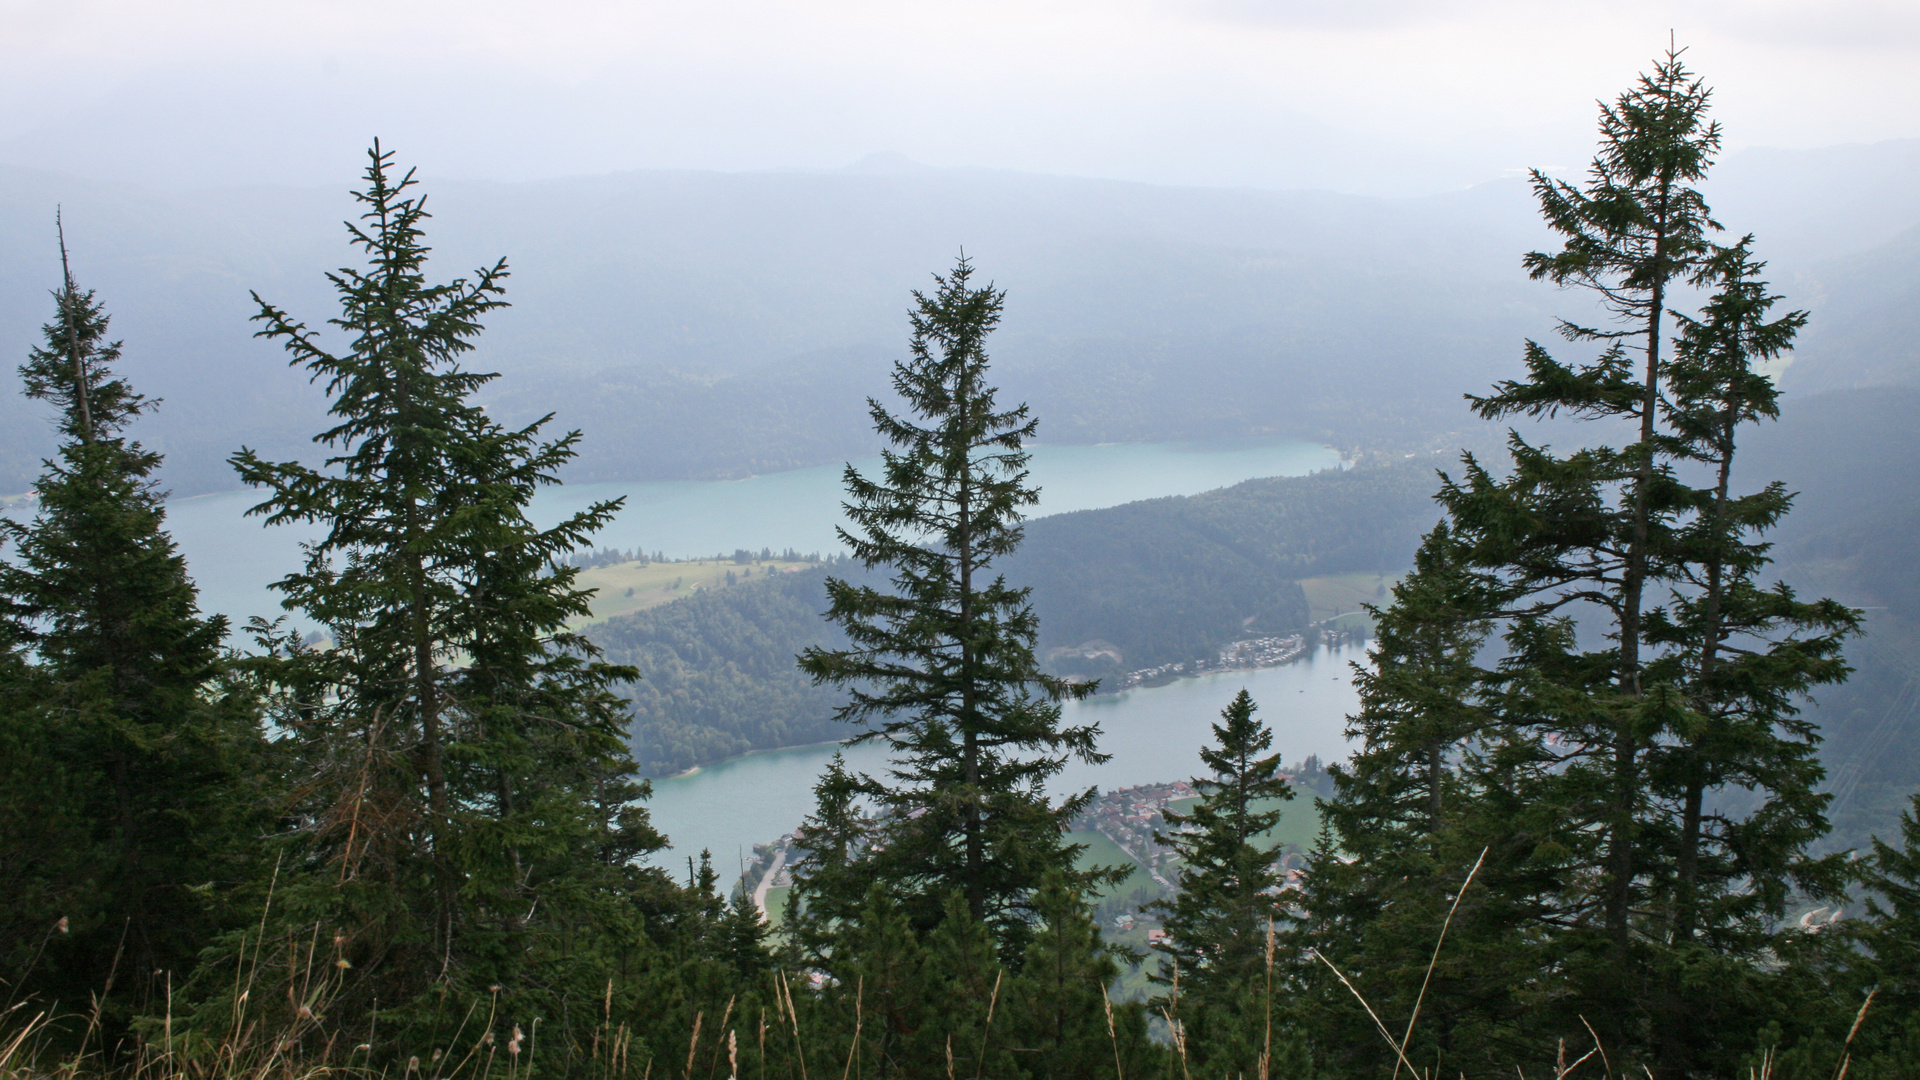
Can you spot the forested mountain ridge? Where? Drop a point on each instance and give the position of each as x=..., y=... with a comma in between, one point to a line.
x=1172, y=579
x=1158, y=581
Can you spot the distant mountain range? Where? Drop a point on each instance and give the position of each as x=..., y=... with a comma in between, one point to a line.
x=720, y=324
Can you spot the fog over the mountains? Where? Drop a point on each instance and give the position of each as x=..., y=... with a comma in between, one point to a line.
x=1385, y=97
x=702, y=324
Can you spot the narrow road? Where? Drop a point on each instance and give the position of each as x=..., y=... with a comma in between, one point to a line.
x=1142, y=863
x=766, y=882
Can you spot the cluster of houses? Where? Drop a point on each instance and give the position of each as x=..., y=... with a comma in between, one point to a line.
x=1250, y=653
x=1131, y=817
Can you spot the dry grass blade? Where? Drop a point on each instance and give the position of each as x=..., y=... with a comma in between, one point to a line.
x=1179, y=1042
x=786, y=992
x=1598, y=1046
x=1266, y=1042
x=13, y=1045
x=1563, y=1070
x=1846, y=1048
x=1106, y=999
x=859, y=1012
x=980, y=1063
x=1382, y=1028
x=693, y=1043
x=1421, y=998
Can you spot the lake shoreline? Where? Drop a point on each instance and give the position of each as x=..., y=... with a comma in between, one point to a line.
x=1307, y=654
x=1153, y=734
x=758, y=751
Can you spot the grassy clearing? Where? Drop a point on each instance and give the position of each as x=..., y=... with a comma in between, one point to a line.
x=1104, y=852
x=633, y=586
x=1299, y=820
x=777, y=897
x=1337, y=595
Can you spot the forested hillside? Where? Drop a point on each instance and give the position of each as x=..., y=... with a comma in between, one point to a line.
x=717, y=676
x=1172, y=579
x=1158, y=581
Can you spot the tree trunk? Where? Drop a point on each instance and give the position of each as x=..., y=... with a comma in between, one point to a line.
x=1621, y=840
x=969, y=695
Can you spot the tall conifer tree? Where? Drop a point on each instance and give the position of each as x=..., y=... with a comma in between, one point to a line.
x=463, y=787
x=1219, y=922
x=942, y=659
x=142, y=748
x=1647, y=672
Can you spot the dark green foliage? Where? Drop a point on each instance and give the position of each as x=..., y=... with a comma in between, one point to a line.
x=462, y=815
x=1221, y=924
x=1850, y=992
x=1630, y=757
x=826, y=892
x=941, y=1003
x=128, y=810
x=1892, y=931
x=1430, y=787
x=1059, y=1007
x=942, y=902
x=940, y=660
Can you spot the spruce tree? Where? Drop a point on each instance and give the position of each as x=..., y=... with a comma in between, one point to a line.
x=1433, y=783
x=1220, y=920
x=941, y=658
x=141, y=750
x=462, y=787
x=1645, y=672
x=1744, y=655
x=829, y=879
x=1059, y=1008
x=1888, y=966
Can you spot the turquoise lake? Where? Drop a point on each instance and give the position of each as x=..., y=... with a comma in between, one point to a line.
x=1154, y=734
x=233, y=557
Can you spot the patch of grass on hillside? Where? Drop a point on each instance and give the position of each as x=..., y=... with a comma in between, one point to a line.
x=1338, y=595
x=635, y=586
x=1299, y=820
x=777, y=906
x=1104, y=852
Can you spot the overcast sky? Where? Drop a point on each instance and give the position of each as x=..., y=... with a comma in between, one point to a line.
x=1383, y=96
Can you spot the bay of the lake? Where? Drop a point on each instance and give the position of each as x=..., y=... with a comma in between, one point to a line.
x=1154, y=734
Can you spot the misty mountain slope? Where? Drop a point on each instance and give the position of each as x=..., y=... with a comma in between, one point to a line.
x=1853, y=457
x=1865, y=329
x=700, y=324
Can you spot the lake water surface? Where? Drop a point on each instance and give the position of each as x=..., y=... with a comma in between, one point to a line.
x=233, y=557
x=1154, y=734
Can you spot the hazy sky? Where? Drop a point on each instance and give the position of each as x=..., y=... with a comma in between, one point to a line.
x=1357, y=95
